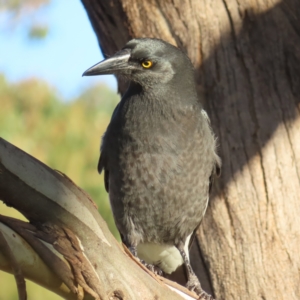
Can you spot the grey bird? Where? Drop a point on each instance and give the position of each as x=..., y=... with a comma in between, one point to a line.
x=158, y=154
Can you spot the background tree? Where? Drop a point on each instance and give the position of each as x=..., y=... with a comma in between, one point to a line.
x=35, y=118
x=26, y=12
x=247, y=60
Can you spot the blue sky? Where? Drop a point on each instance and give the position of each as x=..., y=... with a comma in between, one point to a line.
x=69, y=49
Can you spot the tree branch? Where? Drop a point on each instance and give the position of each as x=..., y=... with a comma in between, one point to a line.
x=66, y=231
x=19, y=277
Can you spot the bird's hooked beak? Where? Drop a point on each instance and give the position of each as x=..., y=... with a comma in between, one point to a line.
x=111, y=65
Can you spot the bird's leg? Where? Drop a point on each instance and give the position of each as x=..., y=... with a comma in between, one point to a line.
x=156, y=270
x=133, y=250
x=193, y=283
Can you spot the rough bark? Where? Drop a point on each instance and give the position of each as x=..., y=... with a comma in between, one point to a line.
x=247, y=60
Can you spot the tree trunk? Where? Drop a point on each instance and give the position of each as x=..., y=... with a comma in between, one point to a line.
x=247, y=60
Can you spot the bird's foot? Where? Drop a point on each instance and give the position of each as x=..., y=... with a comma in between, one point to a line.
x=155, y=269
x=205, y=296
x=194, y=285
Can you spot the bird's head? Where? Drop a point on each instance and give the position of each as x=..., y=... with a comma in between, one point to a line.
x=148, y=62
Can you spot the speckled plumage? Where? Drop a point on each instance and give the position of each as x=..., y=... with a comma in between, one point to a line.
x=158, y=183
x=158, y=152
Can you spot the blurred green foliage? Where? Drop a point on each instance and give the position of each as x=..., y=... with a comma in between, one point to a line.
x=63, y=135
x=27, y=14
x=38, y=31
x=20, y=6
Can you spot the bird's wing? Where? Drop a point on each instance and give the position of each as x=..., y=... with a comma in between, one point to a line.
x=101, y=165
x=100, y=169
x=217, y=166
x=215, y=173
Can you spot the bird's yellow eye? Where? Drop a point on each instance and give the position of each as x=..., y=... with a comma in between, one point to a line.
x=147, y=64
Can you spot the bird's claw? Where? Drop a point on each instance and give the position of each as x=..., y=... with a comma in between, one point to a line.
x=154, y=269
x=205, y=296
x=194, y=285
